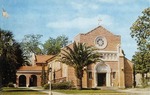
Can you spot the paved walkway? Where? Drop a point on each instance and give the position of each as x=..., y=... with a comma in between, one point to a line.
x=46, y=91
x=131, y=91
x=136, y=91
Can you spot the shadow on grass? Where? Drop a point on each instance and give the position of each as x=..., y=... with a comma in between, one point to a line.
x=19, y=91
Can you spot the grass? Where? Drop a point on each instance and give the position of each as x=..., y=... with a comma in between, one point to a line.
x=26, y=91
x=20, y=91
x=90, y=92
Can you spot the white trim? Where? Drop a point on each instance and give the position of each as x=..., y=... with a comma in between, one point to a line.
x=109, y=56
x=27, y=71
x=108, y=80
x=107, y=51
x=106, y=60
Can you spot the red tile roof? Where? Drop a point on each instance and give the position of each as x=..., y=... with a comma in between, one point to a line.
x=29, y=68
x=42, y=58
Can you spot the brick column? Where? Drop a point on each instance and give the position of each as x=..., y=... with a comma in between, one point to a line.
x=17, y=81
x=121, y=72
x=121, y=75
x=38, y=80
x=27, y=80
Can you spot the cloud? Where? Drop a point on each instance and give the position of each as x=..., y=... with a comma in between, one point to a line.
x=82, y=23
x=84, y=5
x=115, y=1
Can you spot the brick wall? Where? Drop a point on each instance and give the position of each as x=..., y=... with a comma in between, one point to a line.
x=58, y=74
x=89, y=38
x=71, y=75
x=120, y=66
x=128, y=73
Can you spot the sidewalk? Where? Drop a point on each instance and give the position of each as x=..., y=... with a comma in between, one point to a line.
x=131, y=91
x=136, y=91
x=46, y=91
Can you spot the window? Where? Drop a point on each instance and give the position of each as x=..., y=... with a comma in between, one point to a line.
x=114, y=75
x=90, y=75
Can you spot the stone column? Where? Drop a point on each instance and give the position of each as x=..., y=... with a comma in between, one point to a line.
x=108, y=79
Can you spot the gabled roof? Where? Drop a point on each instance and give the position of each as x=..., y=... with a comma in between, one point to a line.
x=99, y=27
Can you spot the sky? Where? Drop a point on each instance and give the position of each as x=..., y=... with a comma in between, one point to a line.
x=52, y=18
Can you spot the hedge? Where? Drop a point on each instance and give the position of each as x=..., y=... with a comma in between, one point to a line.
x=61, y=85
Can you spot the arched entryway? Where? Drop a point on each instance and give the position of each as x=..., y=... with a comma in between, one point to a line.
x=22, y=81
x=33, y=80
x=102, y=75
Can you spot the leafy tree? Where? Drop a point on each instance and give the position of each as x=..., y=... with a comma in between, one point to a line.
x=141, y=60
x=11, y=57
x=31, y=44
x=78, y=57
x=53, y=46
x=140, y=30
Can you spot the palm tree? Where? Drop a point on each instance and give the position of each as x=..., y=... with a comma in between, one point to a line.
x=11, y=57
x=79, y=57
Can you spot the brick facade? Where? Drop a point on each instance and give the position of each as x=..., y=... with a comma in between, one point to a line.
x=30, y=76
x=115, y=71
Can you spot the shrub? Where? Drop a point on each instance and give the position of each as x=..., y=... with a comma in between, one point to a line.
x=144, y=82
x=10, y=84
x=46, y=86
x=61, y=85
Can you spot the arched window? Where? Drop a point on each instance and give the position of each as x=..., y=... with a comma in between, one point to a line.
x=22, y=81
x=33, y=80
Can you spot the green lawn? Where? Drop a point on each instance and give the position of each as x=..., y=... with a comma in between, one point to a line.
x=90, y=92
x=20, y=91
x=26, y=91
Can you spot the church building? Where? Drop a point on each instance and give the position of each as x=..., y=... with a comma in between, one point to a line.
x=115, y=70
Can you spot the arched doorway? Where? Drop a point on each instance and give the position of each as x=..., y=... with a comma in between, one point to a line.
x=102, y=75
x=33, y=80
x=22, y=81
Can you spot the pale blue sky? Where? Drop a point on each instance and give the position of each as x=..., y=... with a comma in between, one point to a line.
x=52, y=18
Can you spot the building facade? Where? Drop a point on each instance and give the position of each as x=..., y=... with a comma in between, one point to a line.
x=115, y=70
x=30, y=76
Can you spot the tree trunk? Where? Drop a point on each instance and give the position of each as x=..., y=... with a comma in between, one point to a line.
x=144, y=81
x=79, y=83
x=79, y=75
x=0, y=81
x=143, y=77
x=0, y=74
